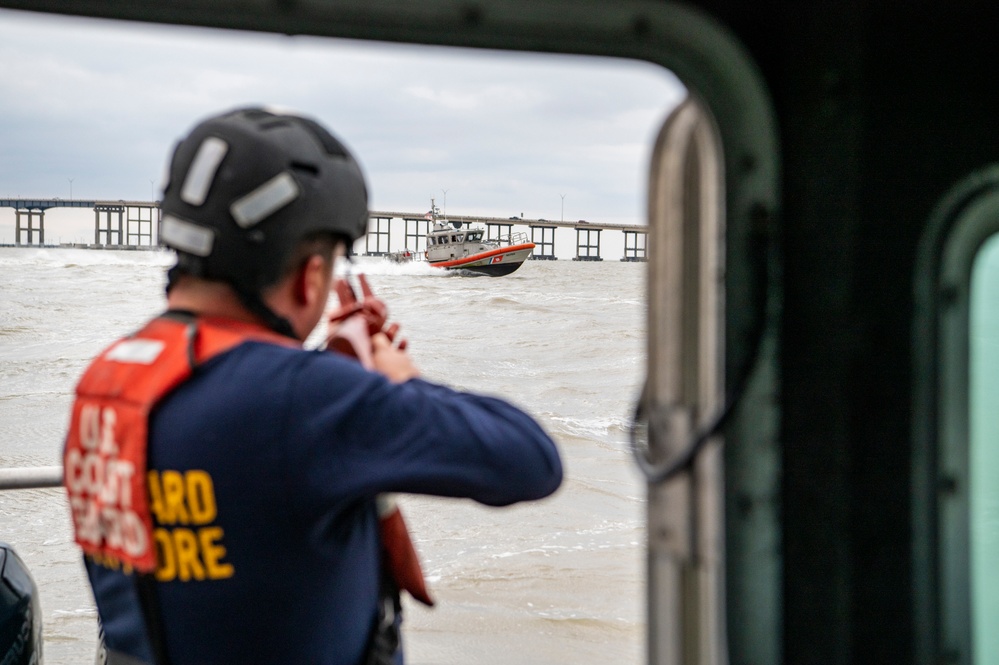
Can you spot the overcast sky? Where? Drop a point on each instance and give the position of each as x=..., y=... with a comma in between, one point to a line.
x=101, y=103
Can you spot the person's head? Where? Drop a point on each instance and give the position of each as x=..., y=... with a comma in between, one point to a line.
x=252, y=195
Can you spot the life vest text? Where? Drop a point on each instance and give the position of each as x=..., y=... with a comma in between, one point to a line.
x=99, y=483
x=191, y=548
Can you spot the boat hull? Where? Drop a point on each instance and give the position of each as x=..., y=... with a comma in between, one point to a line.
x=495, y=262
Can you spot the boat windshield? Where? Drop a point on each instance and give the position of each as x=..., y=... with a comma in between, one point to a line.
x=475, y=236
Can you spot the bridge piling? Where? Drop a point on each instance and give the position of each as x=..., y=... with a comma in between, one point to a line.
x=108, y=231
x=30, y=228
x=416, y=230
x=634, y=246
x=381, y=234
x=544, y=249
x=145, y=220
x=586, y=248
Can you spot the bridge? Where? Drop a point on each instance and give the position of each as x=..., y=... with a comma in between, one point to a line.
x=116, y=223
x=136, y=224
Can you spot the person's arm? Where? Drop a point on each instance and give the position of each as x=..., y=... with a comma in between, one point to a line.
x=362, y=435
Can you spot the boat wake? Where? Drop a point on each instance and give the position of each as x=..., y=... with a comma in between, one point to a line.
x=375, y=265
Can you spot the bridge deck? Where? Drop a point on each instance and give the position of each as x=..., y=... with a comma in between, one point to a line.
x=580, y=224
x=45, y=204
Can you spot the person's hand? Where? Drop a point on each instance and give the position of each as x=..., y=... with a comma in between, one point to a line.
x=392, y=361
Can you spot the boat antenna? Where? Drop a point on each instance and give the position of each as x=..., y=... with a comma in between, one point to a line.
x=435, y=212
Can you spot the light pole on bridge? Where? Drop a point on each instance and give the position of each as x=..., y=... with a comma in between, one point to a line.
x=562, y=219
x=70, y=188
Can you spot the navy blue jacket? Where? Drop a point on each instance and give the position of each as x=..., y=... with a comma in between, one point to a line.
x=269, y=459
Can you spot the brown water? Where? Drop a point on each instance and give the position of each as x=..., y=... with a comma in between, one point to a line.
x=556, y=581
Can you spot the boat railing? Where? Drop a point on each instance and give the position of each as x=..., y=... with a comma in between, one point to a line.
x=516, y=238
x=30, y=477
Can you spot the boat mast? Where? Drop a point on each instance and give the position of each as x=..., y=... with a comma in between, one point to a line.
x=435, y=212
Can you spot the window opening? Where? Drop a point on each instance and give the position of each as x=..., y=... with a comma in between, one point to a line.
x=735, y=92
x=984, y=452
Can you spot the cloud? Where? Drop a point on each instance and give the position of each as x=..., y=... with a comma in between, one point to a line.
x=103, y=102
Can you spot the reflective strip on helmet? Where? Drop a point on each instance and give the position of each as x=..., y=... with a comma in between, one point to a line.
x=186, y=237
x=265, y=200
x=202, y=172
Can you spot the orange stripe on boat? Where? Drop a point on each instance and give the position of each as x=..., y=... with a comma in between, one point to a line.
x=482, y=255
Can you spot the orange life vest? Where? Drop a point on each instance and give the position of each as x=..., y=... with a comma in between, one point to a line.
x=104, y=459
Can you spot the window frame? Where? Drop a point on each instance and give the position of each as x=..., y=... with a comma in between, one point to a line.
x=711, y=62
x=963, y=221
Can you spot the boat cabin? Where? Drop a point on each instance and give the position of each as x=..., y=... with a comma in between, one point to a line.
x=445, y=242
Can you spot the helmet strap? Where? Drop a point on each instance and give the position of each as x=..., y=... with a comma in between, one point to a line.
x=255, y=304
x=187, y=265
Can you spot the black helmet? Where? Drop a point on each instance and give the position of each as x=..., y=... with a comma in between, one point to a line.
x=246, y=186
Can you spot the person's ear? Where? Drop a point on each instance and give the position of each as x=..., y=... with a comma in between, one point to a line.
x=310, y=280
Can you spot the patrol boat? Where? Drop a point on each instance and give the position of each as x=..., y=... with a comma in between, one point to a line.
x=453, y=247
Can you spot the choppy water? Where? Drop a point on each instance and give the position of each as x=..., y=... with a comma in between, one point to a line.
x=551, y=582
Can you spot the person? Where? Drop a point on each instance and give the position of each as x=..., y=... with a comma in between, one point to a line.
x=223, y=481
